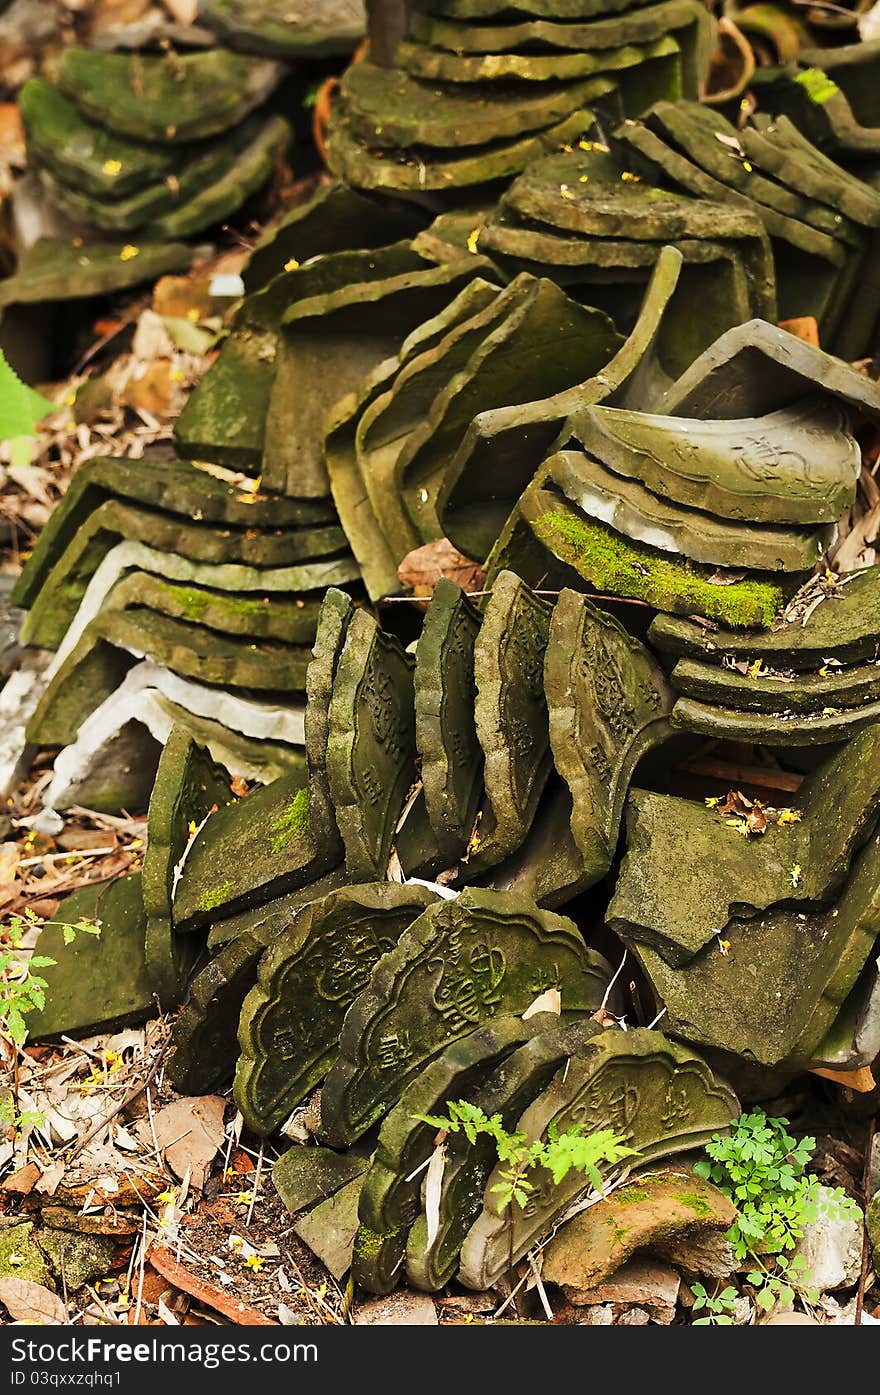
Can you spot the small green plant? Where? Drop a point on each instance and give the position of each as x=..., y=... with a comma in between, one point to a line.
x=559, y=1153
x=22, y=991
x=717, y=1309
x=787, y=1280
x=761, y=1167
x=20, y=411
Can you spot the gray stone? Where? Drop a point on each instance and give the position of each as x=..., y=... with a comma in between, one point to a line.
x=94, y=669
x=496, y=458
x=335, y=219
x=398, y=111
x=330, y=343
x=831, y=1247
x=843, y=625
x=56, y=268
x=97, y=984
x=544, y=345
x=853, y=1039
x=188, y=786
x=253, y=851
x=551, y=543
x=76, y=1259
x=813, y=279
x=780, y=728
x=687, y=872
x=650, y=1213
x=511, y=716
x=628, y=507
x=329, y=1229
x=353, y=492
x=352, y=161
x=809, y=961
x=172, y=485
x=206, y=1052
x=389, y=1200
x=335, y=617
x=772, y=691
x=755, y=368
x=506, y=1091
x=54, y=606
x=798, y=465
x=304, y=1177
x=83, y=155
x=281, y=29
x=410, y=413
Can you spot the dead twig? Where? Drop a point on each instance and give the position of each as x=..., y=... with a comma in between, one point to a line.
x=132, y=1094
x=863, y=1273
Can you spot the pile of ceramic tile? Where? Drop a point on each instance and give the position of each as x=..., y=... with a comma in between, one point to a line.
x=162, y=145
x=386, y=930
x=719, y=504
x=822, y=223
x=171, y=594
x=160, y=132
x=810, y=683
x=479, y=90
x=294, y=29
x=832, y=95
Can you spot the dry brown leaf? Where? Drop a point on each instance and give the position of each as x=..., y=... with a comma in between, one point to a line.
x=551, y=1001
x=164, y=1262
x=858, y=547
x=184, y=11
x=28, y=1302
x=24, y=1180
x=803, y=327
x=423, y=567
x=189, y=1132
x=151, y=338
x=51, y=1179
x=433, y=1191
x=12, y=147
x=8, y=863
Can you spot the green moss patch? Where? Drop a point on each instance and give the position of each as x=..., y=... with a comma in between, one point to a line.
x=293, y=822
x=212, y=899
x=613, y=564
x=817, y=85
